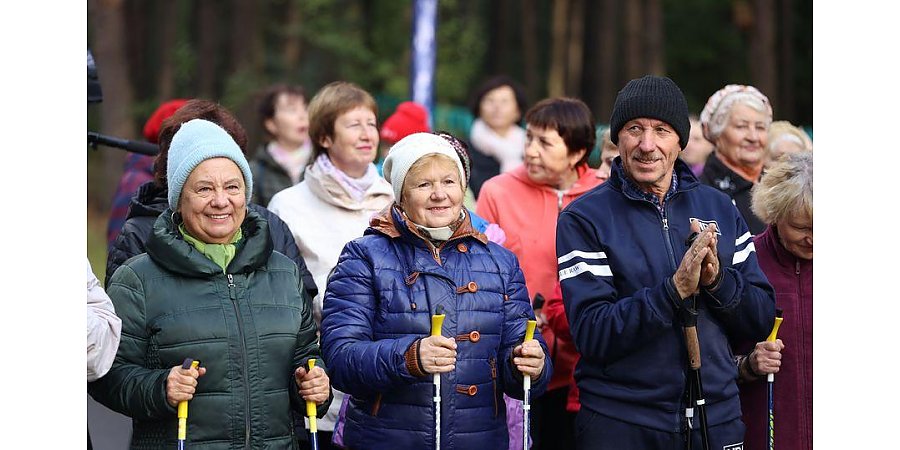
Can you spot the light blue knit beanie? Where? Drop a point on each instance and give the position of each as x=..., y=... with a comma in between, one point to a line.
x=196, y=141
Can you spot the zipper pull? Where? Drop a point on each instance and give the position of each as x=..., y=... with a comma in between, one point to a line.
x=437, y=253
x=665, y=223
x=797, y=268
x=230, y=280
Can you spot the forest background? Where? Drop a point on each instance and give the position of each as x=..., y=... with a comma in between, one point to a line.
x=149, y=51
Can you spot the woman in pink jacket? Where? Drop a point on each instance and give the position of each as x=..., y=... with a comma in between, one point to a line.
x=525, y=203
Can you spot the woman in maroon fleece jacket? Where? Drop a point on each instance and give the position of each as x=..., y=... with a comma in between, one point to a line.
x=783, y=199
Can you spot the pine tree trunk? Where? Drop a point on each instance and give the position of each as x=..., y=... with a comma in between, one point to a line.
x=575, y=57
x=655, y=39
x=557, y=76
x=292, y=41
x=610, y=64
x=786, y=107
x=167, y=21
x=530, y=49
x=763, y=52
x=112, y=70
x=208, y=48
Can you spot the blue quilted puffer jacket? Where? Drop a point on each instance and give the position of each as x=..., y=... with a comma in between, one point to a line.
x=379, y=301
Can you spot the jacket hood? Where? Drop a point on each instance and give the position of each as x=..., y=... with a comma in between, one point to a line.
x=330, y=191
x=169, y=249
x=392, y=223
x=149, y=201
x=586, y=175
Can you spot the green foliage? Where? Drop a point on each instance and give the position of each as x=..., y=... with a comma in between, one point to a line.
x=462, y=45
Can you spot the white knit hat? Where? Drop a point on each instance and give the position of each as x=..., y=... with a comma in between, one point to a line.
x=410, y=149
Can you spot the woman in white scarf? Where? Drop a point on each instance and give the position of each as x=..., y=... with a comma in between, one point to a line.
x=497, y=139
x=341, y=190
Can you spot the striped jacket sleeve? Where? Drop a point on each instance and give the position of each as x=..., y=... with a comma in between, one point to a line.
x=744, y=301
x=603, y=324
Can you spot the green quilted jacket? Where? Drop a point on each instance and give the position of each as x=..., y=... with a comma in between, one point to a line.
x=250, y=328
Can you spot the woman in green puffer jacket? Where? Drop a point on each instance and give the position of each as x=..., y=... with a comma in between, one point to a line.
x=211, y=288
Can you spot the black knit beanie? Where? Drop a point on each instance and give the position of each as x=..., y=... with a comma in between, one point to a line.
x=653, y=97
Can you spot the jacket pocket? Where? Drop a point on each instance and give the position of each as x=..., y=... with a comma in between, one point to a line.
x=493, y=362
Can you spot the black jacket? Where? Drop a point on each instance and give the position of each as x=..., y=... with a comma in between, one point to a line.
x=151, y=200
x=719, y=176
x=269, y=178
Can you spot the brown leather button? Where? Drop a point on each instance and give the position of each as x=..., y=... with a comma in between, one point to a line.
x=473, y=390
x=474, y=336
x=472, y=286
x=462, y=247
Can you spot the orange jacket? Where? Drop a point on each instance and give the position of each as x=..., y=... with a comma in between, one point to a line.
x=527, y=213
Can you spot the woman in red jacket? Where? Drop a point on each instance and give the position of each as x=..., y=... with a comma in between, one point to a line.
x=783, y=199
x=560, y=134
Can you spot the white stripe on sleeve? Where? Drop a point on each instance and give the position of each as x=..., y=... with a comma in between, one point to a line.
x=580, y=254
x=583, y=267
x=742, y=239
x=742, y=255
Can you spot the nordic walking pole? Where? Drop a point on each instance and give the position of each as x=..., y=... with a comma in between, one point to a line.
x=770, y=379
x=183, y=407
x=692, y=342
x=526, y=400
x=311, y=414
x=437, y=322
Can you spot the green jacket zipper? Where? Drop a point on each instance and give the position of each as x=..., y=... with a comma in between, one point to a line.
x=237, y=312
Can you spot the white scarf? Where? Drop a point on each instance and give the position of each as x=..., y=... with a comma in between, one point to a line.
x=293, y=162
x=356, y=187
x=508, y=150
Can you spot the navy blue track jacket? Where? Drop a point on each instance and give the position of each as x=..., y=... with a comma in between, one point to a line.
x=615, y=252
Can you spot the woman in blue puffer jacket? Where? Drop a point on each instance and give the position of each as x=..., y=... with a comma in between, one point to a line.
x=416, y=256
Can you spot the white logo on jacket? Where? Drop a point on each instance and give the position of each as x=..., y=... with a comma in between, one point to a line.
x=704, y=224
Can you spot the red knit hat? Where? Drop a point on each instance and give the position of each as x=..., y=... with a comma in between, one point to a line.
x=154, y=123
x=409, y=118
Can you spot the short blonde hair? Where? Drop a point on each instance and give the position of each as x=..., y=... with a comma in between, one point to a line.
x=786, y=188
x=606, y=143
x=425, y=162
x=783, y=130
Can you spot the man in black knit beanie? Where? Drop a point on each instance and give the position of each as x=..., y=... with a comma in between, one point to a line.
x=658, y=273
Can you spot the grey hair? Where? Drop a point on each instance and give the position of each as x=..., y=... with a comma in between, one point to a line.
x=719, y=118
x=785, y=188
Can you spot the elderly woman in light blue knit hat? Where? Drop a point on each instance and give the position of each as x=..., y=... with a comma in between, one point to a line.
x=211, y=289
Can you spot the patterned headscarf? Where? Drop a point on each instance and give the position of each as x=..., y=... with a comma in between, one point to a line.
x=722, y=101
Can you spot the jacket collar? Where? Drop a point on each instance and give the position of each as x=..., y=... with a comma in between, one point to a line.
x=782, y=256
x=392, y=223
x=722, y=177
x=330, y=191
x=684, y=179
x=587, y=180
x=168, y=248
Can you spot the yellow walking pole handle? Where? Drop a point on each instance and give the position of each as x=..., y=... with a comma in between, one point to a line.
x=772, y=336
x=437, y=322
x=526, y=383
x=183, y=405
x=529, y=335
x=311, y=405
